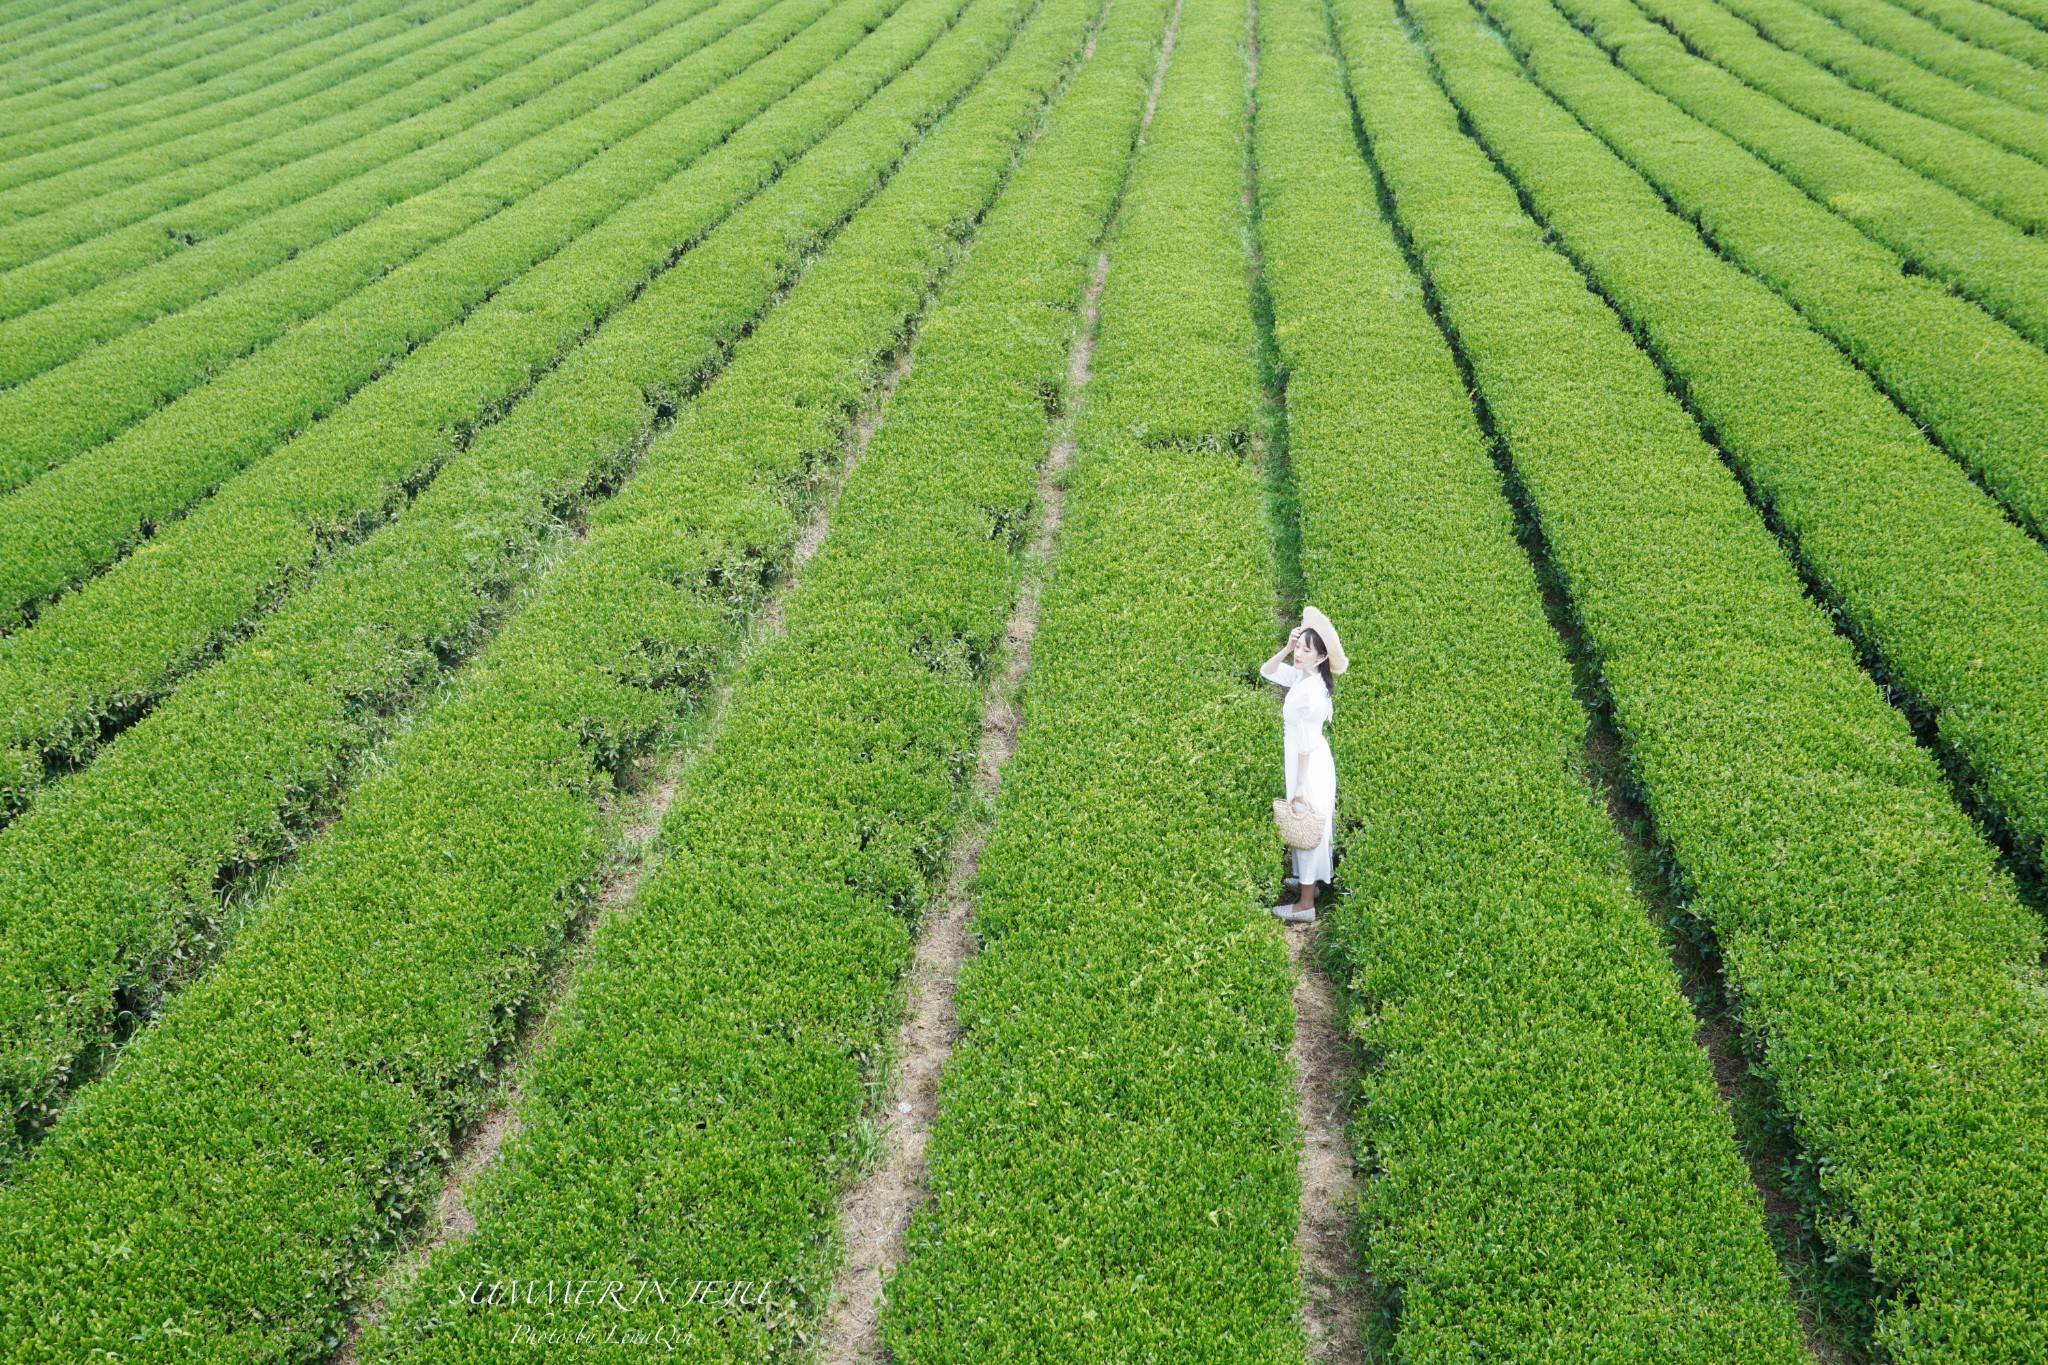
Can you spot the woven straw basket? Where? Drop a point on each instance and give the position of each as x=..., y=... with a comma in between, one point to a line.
x=1301, y=825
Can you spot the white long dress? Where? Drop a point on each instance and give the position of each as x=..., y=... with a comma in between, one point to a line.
x=1303, y=713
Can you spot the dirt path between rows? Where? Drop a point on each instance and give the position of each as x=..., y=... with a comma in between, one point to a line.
x=1335, y=1295
x=480, y=1144
x=875, y=1212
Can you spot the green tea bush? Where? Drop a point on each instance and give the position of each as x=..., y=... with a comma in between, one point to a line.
x=1969, y=381
x=1551, y=1162
x=1933, y=229
x=1792, y=25
x=114, y=647
x=414, y=984
x=90, y=70
x=1113, y=1159
x=1987, y=26
x=355, y=93
x=305, y=70
x=293, y=342
x=2009, y=185
x=1887, y=974
x=1945, y=591
x=395, y=147
x=229, y=774
x=1910, y=36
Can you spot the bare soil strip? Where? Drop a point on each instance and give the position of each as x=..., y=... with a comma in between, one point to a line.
x=1334, y=1298
x=479, y=1145
x=875, y=1212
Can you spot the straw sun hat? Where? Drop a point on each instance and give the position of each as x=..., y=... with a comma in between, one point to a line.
x=1313, y=619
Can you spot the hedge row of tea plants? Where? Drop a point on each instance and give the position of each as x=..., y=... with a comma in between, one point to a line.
x=308, y=69
x=1987, y=26
x=87, y=71
x=346, y=308
x=1971, y=383
x=29, y=28
x=1947, y=592
x=769, y=952
x=94, y=81
x=1910, y=36
x=1882, y=964
x=1984, y=258
x=2035, y=11
x=1113, y=1161
x=105, y=654
x=406, y=987
x=1192, y=391
x=202, y=205
x=1792, y=25
x=26, y=28
x=37, y=181
x=271, y=406
x=234, y=767
x=115, y=283
x=1552, y=1161
x=2009, y=185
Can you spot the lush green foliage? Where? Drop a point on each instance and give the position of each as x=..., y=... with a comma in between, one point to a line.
x=1982, y=257
x=1882, y=964
x=1986, y=26
x=1552, y=1160
x=112, y=648
x=34, y=184
x=1995, y=73
x=355, y=146
x=494, y=790
x=874, y=694
x=348, y=307
x=300, y=71
x=84, y=72
x=412, y=417
x=108, y=885
x=1792, y=25
x=1970, y=382
x=1113, y=1158
x=2009, y=185
x=1947, y=592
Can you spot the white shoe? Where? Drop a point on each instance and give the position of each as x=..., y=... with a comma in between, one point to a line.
x=1293, y=915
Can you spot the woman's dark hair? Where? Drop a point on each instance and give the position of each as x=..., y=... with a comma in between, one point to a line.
x=1315, y=642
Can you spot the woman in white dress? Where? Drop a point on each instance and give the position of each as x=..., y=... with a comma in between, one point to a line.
x=1311, y=770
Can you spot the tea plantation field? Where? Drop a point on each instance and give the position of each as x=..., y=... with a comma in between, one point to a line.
x=555, y=554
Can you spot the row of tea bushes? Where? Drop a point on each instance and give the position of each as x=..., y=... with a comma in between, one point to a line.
x=1880, y=961
x=1910, y=36
x=279, y=348
x=722, y=1050
x=411, y=76
x=2009, y=185
x=159, y=52
x=1970, y=382
x=305, y=70
x=109, y=651
x=1793, y=26
x=110, y=883
x=231, y=226
x=387, y=975
x=1998, y=265
x=1931, y=577
x=1551, y=1162
x=1113, y=1157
